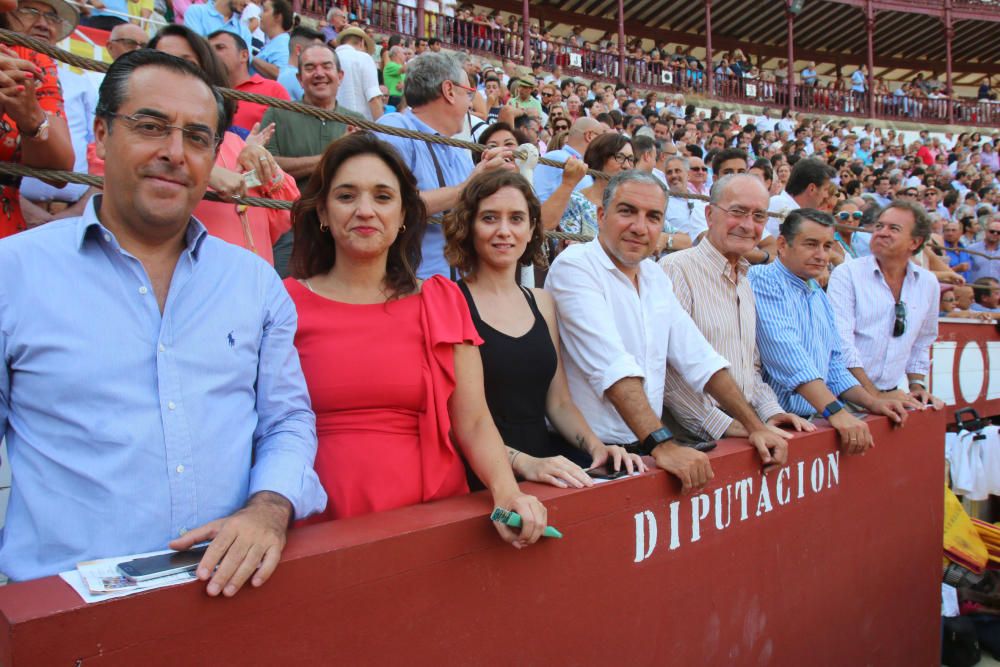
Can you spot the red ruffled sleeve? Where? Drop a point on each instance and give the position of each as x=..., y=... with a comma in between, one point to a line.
x=446, y=322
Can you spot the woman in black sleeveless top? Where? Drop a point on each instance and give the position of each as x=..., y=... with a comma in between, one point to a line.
x=495, y=228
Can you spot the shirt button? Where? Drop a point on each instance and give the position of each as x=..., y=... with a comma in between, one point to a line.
x=180, y=533
x=143, y=290
x=180, y=468
x=170, y=405
x=163, y=348
x=107, y=237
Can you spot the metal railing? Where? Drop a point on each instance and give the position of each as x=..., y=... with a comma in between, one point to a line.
x=679, y=74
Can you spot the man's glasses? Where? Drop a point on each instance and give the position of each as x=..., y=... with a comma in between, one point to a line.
x=31, y=15
x=845, y=215
x=993, y=231
x=130, y=44
x=899, y=326
x=694, y=168
x=623, y=158
x=201, y=139
x=470, y=91
x=740, y=213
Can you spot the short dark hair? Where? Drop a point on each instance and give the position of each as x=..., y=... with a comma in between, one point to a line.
x=432, y=41
x=301, y=36
x=806, y=172
x=727, y=154
x=642, y=145
x=284, y=10
x=238, y=41
x=982, y=286
x=460, y=248
x=792, y=223
x=314, y=251
x=113, y=89
x=764, y=165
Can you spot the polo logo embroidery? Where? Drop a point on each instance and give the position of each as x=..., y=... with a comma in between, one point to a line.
x=232, y=341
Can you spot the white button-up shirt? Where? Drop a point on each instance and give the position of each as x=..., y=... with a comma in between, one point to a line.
x=779, y=203
x=360, y=82
x=609, y=331
x=865, y=312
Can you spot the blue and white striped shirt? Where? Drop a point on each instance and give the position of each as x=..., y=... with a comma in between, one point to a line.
x=796, y=336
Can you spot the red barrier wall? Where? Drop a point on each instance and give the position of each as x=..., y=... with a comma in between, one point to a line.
x=965, y=366
x=834, y=561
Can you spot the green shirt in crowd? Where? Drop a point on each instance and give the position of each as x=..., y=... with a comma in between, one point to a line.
x=393, y=75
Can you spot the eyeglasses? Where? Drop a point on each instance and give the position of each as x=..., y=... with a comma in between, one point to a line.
x=468, y=89
x=993, y=231
x=844, y=215
x=899, y=326
x=130, y=44
x=31, y=15
x=622, y=158
x=740, y=213
x=201, y=139
x=694, y=168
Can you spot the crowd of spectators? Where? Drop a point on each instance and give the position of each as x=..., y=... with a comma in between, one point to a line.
x=401, y=361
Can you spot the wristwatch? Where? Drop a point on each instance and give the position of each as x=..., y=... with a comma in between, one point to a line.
x=832, y=409
x=655, y=438
x=41, y=133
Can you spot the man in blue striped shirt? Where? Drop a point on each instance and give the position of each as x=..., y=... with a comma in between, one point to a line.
x=797, y=337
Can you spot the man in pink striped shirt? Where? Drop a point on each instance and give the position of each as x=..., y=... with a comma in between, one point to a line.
x=711, y=285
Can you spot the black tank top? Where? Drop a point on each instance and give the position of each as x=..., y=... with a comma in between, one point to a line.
x=517, y=373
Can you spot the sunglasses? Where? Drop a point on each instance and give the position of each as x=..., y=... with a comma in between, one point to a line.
x=899, y=326
x=844, y=215
x=695, y=168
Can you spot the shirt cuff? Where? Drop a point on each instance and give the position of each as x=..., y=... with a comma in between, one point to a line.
x=716, y=423
x=624, y=366
x=839, y=385
x=298, y=483
x=768, y=410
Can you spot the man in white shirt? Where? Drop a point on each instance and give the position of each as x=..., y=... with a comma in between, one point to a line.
x=359, y=91
x=806, y=188
x=620, y=326
x=886, y=308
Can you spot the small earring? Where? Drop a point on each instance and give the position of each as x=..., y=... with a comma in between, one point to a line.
x=324, y=226
x=402, y=229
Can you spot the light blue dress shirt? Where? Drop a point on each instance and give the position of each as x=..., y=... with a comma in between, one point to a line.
x=547, y=179
x=205, y=19
x=456, y=165
x=796, y=336
x=116, y=8
x=276, y=50
x=982, y=267
x=288, y=76
x=125, y=428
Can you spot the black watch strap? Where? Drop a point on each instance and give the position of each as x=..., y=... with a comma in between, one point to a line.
x=655, y=438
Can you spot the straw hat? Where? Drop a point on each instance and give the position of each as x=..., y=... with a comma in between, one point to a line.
x=356, y=32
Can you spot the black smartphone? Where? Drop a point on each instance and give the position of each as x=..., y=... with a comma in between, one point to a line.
x=153, y=567
x=604, y=473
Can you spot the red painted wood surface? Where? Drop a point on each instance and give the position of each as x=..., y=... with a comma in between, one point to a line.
x=965, y=366
x=844, y=574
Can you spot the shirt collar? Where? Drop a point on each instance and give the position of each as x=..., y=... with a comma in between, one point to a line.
x=89, y=225
x=911, y=269
x=418, y=124
x=718, y=261
x=806, y=286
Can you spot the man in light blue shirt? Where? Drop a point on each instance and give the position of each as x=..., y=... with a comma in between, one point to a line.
x=208, y=17
x=546, y=179
x=439, y=96
x=797, y=337
x=275, y=21
x=288, y=74
x=151, y=395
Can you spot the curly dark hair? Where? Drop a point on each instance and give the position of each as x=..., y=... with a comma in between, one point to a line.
x=460, y=250
x=314, y=251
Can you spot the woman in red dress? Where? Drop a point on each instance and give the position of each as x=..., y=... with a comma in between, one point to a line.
x=392, y=366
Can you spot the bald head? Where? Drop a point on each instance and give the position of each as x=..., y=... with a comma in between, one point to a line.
x=125, y=38
x=584, y=130
x=748, y=184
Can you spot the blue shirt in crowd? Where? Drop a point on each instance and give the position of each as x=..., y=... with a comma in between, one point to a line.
x=205, y=19
x=288, y=77
x=125, y=428
x=957, y=256
x=983, y=267
x=456, y=166
x=796, y=336
x=275, y=51
x=547, y=179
